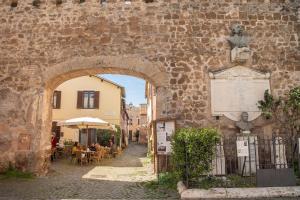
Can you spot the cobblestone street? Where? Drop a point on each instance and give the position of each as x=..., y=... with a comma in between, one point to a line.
x=117, y=178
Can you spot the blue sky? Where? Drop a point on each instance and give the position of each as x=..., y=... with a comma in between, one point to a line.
x=135, y=87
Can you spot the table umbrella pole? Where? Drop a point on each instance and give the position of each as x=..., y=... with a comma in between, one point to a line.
x=87, y=136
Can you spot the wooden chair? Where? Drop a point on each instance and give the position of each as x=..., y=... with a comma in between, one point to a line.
x=68, y=154
x=119, y=150
x=102, y=152
x=67, y=151
x=81, y=158
x=96, y=156
x=105, y=152
x=73, y=158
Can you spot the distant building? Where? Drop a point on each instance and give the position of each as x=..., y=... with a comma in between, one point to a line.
x=143, y=132
x=134, y=120
x=89, y=96
x=124, y=124
x=137, y=122
x=151, y=114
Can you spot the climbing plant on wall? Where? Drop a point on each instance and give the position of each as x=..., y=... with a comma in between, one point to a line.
x=285, y=111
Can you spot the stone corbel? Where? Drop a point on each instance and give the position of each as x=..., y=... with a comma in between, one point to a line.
x=211, y=75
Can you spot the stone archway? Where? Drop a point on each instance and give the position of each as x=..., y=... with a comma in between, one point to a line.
x=129, y=65
x=35, y=157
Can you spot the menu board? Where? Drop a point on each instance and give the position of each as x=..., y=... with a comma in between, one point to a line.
x=164, y=130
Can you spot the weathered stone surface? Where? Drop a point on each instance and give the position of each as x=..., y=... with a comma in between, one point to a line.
x=24, y=141
x=240, y=55
x=238, y=90
x=173, y=44
x=242, y=193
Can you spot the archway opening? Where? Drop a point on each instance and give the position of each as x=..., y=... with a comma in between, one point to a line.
x=151, y=72
x=91, y=68
x=90, y=93
x=110, y=98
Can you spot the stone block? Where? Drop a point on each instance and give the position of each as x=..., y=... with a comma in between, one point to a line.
x=240, y=55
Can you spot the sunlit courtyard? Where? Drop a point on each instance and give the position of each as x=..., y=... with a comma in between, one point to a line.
x=123, y=177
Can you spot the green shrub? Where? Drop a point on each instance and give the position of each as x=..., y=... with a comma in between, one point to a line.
x=103, y=137
x=167, y=180
x=231, y=181
x=198, y=144
x=12, y=172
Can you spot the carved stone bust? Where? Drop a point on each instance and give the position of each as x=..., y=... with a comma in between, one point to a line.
x=237, y=38
x=239, y=43
x=244, y=125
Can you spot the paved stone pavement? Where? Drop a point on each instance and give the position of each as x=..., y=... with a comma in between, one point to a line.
x=116, y=178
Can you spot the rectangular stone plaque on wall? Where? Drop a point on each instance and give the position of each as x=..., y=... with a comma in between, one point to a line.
x=236, y=90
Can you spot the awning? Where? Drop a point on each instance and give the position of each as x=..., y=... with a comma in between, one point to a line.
x=87, y=122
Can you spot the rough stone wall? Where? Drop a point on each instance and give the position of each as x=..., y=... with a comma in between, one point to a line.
x=181, y=39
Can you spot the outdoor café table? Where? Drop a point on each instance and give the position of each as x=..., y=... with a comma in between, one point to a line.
x=88, y=154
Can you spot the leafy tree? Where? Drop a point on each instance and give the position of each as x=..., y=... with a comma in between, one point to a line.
x=292, y=109
x=283, y=110
x=103, y=137
x=270, y=107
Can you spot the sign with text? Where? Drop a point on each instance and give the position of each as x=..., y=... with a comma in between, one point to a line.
x=164, y=131
x=242, y=148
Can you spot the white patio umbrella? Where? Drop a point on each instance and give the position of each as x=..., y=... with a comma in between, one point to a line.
x=86, y=122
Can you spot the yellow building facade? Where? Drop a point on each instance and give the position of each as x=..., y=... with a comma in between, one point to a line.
x=87, y=96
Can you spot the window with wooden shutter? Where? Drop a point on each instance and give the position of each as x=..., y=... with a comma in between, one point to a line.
x=56, y=101
x=97, y=98
x=88, y=100
x=80, y=99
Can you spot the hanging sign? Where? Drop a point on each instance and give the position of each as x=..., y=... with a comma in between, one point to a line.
x=242, y=148
x=164, y=131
